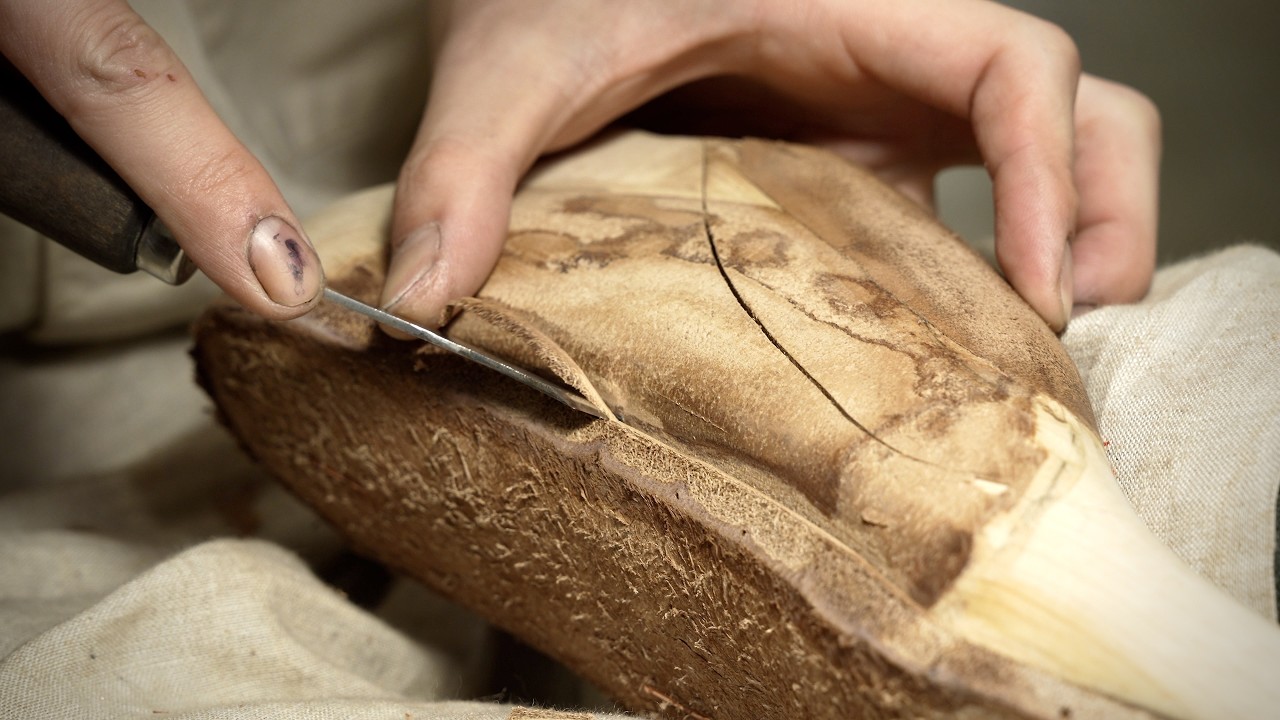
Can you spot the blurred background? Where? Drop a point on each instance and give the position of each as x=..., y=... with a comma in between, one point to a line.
x=1214, y=71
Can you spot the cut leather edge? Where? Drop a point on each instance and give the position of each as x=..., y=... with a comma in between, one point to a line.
x=513, y=336
x=815, y=565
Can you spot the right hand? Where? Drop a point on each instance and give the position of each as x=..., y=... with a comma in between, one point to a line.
x=128, y=95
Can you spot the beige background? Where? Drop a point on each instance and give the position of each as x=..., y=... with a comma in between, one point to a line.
x=1214, y=71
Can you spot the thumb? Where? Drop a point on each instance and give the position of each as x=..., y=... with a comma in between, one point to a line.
x=453, y=197
x=123, y=90
x=452, y=206
x=498, y=100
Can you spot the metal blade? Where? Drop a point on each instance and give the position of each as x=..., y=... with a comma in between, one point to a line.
x=564, y=394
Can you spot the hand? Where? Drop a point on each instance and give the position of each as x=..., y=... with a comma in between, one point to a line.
x=125, y=92
x=906, y=88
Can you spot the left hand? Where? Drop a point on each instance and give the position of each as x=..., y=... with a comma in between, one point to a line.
x=905, y=88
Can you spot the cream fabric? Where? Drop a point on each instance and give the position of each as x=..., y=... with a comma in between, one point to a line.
x=227, y=629
x=269, y=648
x=123, y=591
x=1187, y=394
x=115, y=603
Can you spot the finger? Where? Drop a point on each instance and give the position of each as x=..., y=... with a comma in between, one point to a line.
x=452, y=207
x=488, y=116
x=128, y=95
x=1117, y=171
x=1014, y=78
x=1023, y=117
x=513, y=81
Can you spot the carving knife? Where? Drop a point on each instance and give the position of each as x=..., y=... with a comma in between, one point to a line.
x=53, y=182
x=560, y=392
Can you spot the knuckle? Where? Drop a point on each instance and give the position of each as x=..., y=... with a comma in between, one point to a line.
x=441, y=157
x=1125, y=107
x=453, y=155
x=1052, y=43
x=120, y=53
x=220, y=173
x=1142, y=109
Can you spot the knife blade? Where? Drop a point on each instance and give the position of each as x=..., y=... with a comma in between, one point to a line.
x=53, y=182
x=562, y=393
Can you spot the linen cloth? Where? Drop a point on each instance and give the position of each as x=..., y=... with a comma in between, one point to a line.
x=1186, y=387
x=148, y=569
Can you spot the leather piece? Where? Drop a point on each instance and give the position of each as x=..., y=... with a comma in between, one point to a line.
x=798, y=470
x=510, y=334
x=919, y=263
x=860, y=409
x=678, y=589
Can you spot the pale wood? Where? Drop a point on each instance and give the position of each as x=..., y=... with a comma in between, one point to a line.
x=846, y=469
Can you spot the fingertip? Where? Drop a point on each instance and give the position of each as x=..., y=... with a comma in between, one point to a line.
x=268, y=265
x=437, y=263
x=412, y=273
x=1118, y=169
x=286, y=266
x=1042, y=274
x=1115, y=264
x=450, y=220
x=1066, y=290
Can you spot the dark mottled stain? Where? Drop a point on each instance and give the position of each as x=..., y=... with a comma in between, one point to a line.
x=756, y=249
x=297, y=263
x=934, y=570
x=644, y=209
x=1024, y=422
x=942, y=373
x=908, y=253
x=600, y=253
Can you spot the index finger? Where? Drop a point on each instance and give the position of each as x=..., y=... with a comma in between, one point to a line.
x=1014, y=77
x=123, y=90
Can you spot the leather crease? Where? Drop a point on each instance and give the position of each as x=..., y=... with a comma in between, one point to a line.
x=773, y=340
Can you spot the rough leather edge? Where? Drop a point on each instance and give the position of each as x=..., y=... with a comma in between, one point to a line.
x=579, y=537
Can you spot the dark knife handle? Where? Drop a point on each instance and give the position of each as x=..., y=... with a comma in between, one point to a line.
x=53, y=182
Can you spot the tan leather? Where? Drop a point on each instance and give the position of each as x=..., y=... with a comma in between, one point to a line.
x=799, y=325
x=819, y=399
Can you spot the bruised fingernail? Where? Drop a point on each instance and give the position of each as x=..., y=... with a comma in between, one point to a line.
x=1066, y=280
x=412, y=263
x=284, y=262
